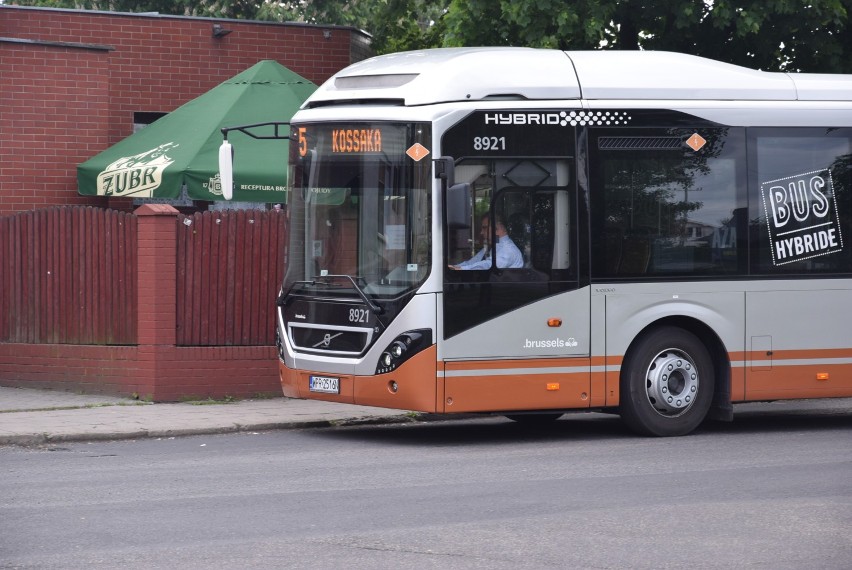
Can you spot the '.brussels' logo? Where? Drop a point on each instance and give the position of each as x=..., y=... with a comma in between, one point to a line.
x=138, y=175
x=551, y=343
x=801, y=215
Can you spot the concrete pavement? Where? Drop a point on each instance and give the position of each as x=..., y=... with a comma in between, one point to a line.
x=32, y=417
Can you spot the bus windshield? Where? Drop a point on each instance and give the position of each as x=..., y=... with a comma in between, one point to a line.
x=360, y=210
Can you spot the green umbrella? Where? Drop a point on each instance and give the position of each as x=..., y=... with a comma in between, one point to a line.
x=182, y=148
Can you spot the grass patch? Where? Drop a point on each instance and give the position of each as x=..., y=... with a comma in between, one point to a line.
x=266, y=396
x=195, y=401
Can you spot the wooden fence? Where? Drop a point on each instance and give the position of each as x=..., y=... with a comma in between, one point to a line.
x=68, y=275
x=229, y=268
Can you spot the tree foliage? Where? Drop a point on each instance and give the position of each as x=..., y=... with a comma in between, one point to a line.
x=774, y=35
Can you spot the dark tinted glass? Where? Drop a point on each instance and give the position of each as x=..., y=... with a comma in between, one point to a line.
x=515, y=207
x=800, y=196
x=667, y=202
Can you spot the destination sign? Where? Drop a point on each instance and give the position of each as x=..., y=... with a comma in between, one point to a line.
x=356, y=140
x=347, y=139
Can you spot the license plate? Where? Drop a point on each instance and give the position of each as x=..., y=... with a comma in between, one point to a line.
x=325, y=384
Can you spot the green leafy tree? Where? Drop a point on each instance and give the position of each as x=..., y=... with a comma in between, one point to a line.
x=792, y=35
x=337, y=12
x=403, y=25
x=774, y=35
x=396, y=25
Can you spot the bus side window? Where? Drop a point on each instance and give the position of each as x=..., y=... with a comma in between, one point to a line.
x=539, y=217
x=660, y=207
x=511, y=209
x=539, y=222
x=518, y=228
x=635, y=254
x=562, y=231
x=800, y=218
x=464, y=242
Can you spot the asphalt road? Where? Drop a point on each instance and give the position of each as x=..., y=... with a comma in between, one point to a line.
x=773, y=490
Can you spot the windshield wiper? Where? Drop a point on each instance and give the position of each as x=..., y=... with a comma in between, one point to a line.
x=326, y=280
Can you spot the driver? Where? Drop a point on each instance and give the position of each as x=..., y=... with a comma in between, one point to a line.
x=508, y=254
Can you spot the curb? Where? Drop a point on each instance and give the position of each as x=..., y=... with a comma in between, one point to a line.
x=33, y=440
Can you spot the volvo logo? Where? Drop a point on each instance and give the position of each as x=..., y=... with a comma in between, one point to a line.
x=326, y=340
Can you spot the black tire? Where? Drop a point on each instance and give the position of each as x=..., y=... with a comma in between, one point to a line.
x=535, y=419
x=667, y=383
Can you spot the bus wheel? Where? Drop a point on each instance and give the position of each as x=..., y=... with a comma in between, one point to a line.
x=666, y=383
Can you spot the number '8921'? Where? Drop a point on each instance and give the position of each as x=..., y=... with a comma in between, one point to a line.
x=489, y=143
x=359, y=315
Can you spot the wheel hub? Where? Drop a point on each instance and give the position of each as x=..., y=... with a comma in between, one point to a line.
x=672, y=382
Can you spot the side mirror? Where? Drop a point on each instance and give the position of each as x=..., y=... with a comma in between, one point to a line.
x=226, y=169
x=445, y=169
x=459, y=206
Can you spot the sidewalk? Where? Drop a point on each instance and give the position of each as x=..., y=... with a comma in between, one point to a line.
x=31, y=417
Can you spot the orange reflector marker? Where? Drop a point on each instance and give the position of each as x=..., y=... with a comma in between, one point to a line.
x=554, y=322
x=552, y=386
x=696, y=142
x=822, y=375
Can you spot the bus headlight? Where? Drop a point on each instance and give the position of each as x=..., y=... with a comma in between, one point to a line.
x=279, y=344
x=398, y=348
x=402, y=348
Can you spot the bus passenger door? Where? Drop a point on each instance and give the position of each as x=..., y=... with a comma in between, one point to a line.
x=514, y=332
x=797, y=319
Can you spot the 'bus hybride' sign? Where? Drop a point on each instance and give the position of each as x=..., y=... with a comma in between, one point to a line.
x=801, y=212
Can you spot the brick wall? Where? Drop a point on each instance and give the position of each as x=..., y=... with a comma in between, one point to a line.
x=72, y=102
x=51, y=119
x=157, y=373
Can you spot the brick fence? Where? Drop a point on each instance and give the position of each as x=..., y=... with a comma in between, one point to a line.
x=156, y=367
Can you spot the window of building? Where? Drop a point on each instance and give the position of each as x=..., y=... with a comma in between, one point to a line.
x=143, y=119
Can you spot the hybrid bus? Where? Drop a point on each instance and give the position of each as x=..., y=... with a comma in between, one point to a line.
x=685, y=227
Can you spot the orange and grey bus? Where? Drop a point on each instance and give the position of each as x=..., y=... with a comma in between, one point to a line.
x=684, y=229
